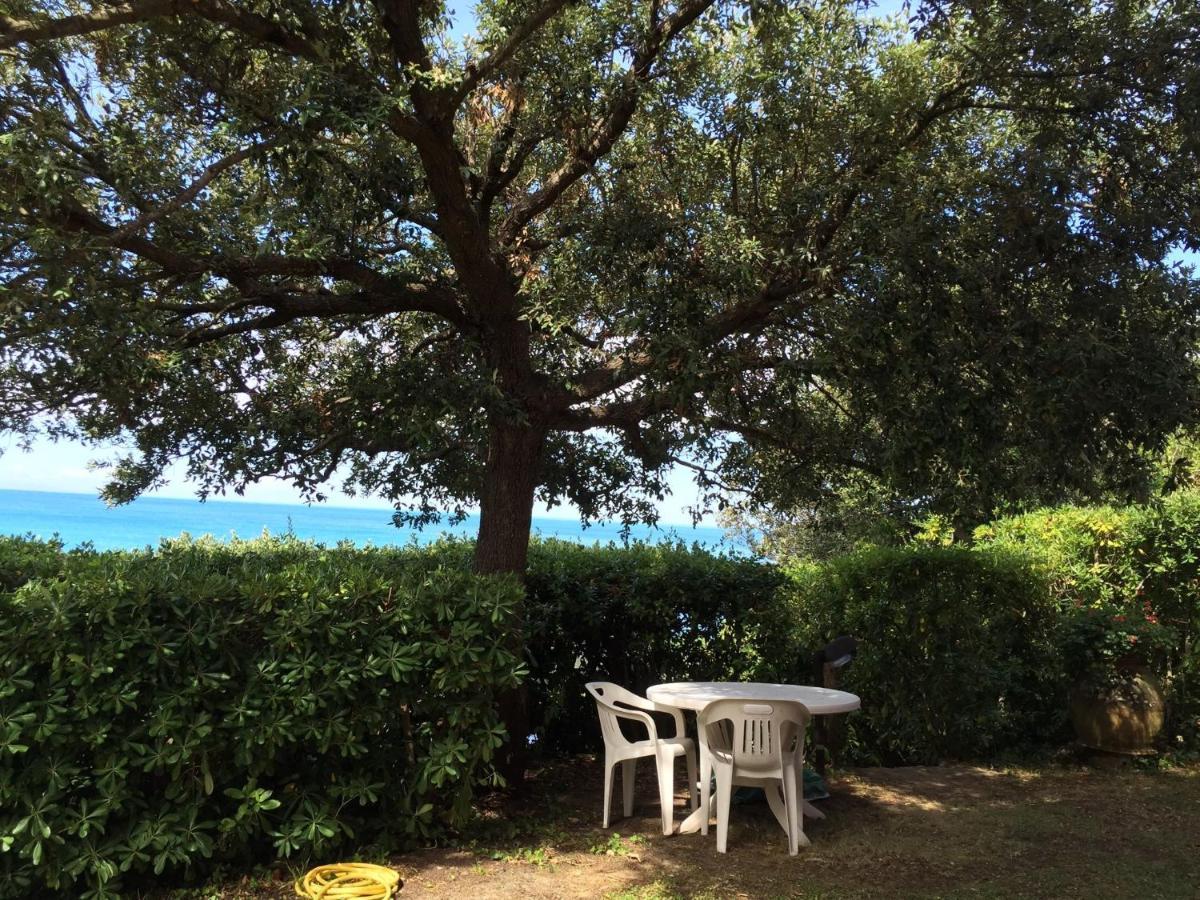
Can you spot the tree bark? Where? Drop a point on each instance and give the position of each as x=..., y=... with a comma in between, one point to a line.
x=506, y=501
x=505, y=518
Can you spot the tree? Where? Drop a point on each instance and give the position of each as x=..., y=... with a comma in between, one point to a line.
x=321, y=238
x=857, y=512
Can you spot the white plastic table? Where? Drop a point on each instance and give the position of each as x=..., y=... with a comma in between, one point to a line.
x=695, y=695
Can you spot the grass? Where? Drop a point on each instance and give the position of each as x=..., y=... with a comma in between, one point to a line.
x=953, y=832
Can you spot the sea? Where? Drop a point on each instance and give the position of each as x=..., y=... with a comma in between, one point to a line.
x=78, y=519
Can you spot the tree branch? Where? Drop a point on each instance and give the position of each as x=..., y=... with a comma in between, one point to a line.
x=606, y=130
x=289, y=307
x=480, y=71
x=23, y=31
x=193, y=190
x=253, y=25
x=402, y=22
x=465, y=235
x=16, y=31
x=500, y=176
x=708, y=477
x=385, y=293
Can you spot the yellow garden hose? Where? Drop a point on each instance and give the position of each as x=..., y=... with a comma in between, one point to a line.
x=348, y=881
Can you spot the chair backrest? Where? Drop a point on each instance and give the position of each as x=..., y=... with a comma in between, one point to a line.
x=612, y=699
x=756, y=735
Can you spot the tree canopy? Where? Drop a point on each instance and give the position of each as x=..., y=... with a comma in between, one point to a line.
x=777, y=241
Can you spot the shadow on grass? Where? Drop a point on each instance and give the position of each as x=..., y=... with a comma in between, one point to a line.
x=910, y=832
x=904, y=833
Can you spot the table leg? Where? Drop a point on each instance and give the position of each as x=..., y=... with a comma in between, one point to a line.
x=774, y=792
x=691, y=825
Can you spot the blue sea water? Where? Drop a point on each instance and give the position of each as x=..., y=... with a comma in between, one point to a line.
x=80, y=518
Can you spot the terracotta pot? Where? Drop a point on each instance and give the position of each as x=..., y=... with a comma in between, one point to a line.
x=1125, y=718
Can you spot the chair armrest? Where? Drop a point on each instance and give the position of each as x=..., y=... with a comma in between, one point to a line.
x=631, y=699
x=675, y=713
x=634, y=715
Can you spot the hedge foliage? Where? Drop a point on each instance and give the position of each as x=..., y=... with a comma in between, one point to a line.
x=1166, y=551
x=1084, y=553
x=1149, y=554
x=962, y=648
x=956, y=657
x=642, y=615
x=210, y=701
x=24, y=559
x=238, y=701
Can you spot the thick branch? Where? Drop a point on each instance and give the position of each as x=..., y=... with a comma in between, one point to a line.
x=289, y=307
x=500, y=175
x=15, y=31
x=386, y=294
x=255, y=26
x=633, y=409
x=402, y=21
x=431, y=130
x=623, y=415
x=22, y=31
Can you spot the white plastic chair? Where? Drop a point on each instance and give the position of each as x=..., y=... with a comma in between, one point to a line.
x=613, y=702
x=755, y=744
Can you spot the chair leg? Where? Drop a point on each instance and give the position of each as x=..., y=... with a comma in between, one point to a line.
x=628, y=771
x=793, y=797
x=724, y=792
x=693, y=793
x=666, y=790
x=610, y=773
x=793, y=811
x=705, y=787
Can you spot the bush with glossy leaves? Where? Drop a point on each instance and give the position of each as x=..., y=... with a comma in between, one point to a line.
x=204, y=702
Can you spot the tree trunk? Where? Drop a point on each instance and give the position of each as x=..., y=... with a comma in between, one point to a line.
x=506, y=501
x=505, y=518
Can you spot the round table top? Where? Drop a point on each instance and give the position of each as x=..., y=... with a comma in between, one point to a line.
x=696, y=695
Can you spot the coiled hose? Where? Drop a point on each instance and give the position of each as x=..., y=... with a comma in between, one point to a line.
x=348, y=881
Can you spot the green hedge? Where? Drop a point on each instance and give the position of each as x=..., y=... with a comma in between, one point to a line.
x=1148, y=554
x=1166, y=554
x=239, y=701
x=961, y=648
x=641, y=615
x=635, y=614
x=956, y=657
x=24, y=559
x=1084, y=553
x=286, y=699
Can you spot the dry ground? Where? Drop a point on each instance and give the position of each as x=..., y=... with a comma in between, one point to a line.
x=910, y=832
